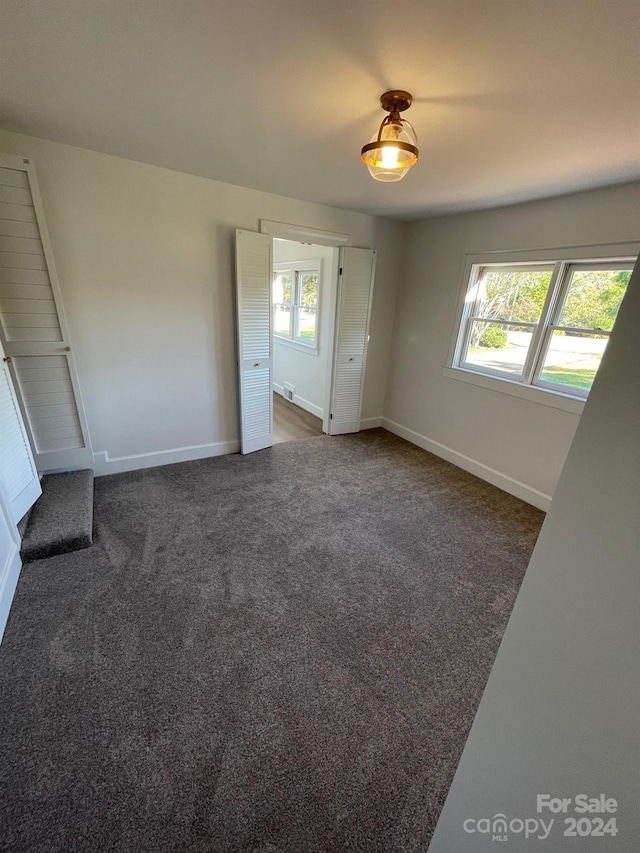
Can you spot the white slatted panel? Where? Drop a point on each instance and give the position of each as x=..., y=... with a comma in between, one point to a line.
x=13, y=178
x=357, y=266
x=18, y=469
x=15, y=195
x=27, y=334
x=13, y=227
x=27, y=309
x=48, y=396
x=356, y=289
x=23, y=245
x=346, y=407
x=32, y=325
x=16, y=212
x=22, y=260
x=255, y=303
x=253, y=283
x=257, y=395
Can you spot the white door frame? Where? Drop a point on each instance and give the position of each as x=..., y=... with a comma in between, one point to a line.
x=318, y=237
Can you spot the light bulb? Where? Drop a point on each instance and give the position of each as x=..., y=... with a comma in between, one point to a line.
x=390, y=157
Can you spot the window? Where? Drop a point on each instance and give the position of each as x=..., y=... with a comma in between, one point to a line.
x=544, y=326
x=295, y=295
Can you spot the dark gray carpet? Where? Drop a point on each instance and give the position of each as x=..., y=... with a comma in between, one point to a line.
x=279, y=653
x=61, y=520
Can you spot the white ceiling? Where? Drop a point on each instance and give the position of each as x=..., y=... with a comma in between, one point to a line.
x=514, y=99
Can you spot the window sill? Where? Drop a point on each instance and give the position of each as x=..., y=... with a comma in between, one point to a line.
x=287, y=342
x=543, y=396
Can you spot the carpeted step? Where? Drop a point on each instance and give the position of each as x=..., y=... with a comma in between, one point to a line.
x=61, y=519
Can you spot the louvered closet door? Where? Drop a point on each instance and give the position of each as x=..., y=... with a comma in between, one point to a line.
x=352, y=335
x=33, y=327
x=253, y=291
x=17, y=467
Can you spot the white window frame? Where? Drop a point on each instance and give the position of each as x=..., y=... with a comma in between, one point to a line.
x=562, y=261
x=295, y=268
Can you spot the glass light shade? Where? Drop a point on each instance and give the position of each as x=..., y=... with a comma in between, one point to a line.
x=393, y=150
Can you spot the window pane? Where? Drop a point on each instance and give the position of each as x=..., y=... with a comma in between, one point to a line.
x=282, y=320
x=516, y=295
x=573, y=360
x=593, y=298
x=498, y=346
x=306, y=324
x=282, y=287
x=309, y=289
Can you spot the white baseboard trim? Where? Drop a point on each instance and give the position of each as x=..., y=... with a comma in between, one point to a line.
x=318, y=411
x=8, y=583
x=308, y=407
x=371, y=423
x=105, y=464
x=496, y=478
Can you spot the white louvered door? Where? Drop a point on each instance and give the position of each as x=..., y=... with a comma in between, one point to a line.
x=253, y=293
x=33, y=328
x=17, y=467
x=352, y=334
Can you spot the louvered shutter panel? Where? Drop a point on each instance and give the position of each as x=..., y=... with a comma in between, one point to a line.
x=253, y=291
x=352, y=334
x=17, y=468
x=33, y=328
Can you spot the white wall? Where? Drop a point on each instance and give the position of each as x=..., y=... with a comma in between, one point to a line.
x=517, y=444
x=307, y=369
x=560, y=711
x=145, y=260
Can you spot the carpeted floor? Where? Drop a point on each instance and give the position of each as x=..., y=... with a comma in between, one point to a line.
x=279, y=653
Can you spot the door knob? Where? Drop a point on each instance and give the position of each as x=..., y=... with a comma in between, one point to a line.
x=7, y=359
x=67, y=349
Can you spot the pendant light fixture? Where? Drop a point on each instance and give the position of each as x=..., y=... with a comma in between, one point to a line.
x=393, y=150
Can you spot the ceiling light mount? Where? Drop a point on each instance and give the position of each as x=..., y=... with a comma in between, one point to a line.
x=393, y=150
x=396, y=101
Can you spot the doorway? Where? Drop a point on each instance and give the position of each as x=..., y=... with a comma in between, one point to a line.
x=304, y=284
x=350, y=306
